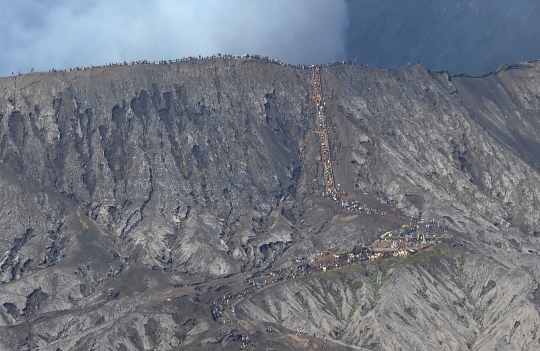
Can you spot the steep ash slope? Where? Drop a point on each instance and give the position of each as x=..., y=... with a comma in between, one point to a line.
x=421, y=147
x=122, y=186
x=466, y=302
x=169, y=160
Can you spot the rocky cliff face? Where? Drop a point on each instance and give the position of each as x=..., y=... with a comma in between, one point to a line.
x=122, y=186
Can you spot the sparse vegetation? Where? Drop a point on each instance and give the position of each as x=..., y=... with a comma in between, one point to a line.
x=460, y=263
x=353, y=284
x=423, y=292
x=354, y=308
x=340, y=302
x=387, y=275
x=374, y=275
x=385, y=265
x=186, y=320
x=435, y=306
x=420, y=257
x=181, y=336
x=442, y=249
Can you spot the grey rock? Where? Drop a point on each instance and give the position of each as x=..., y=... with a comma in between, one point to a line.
x=134, y=196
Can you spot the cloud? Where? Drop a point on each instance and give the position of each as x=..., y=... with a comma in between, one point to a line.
x=64, y=33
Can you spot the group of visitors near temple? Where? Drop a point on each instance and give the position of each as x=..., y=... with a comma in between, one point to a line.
x=400, y=242
x=405, y=240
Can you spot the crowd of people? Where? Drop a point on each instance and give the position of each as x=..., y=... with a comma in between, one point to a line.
x=326, y=261
x=200, y=57
x=219, y=306
x=323, y=262
x=327, y=162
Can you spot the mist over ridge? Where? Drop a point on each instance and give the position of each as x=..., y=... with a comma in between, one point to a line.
x=474, y=36
x=61, y=34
